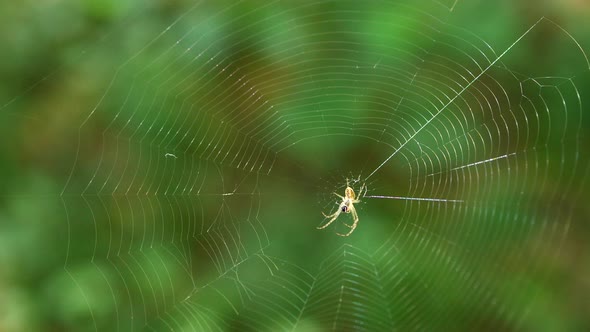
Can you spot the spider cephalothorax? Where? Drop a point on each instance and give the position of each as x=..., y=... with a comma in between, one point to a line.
x=346, y=206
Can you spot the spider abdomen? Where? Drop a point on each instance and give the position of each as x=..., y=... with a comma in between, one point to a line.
x=349, y=193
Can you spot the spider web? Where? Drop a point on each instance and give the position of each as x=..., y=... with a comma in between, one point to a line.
x=202, y=168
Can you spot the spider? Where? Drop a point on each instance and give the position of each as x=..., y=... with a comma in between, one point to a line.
x=346, y=206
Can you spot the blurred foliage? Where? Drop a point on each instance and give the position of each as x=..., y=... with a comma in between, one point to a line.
x=79, y=254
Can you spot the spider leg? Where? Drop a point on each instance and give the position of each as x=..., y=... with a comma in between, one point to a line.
x=333, y=216
x=356, y=220
x=347, y=225
x=341, y=197
x=329, y=216
x=361, y=193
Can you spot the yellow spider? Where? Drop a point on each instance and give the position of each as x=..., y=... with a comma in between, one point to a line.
x=346, y=206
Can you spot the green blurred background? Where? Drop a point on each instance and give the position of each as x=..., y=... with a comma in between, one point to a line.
x=164, y=165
